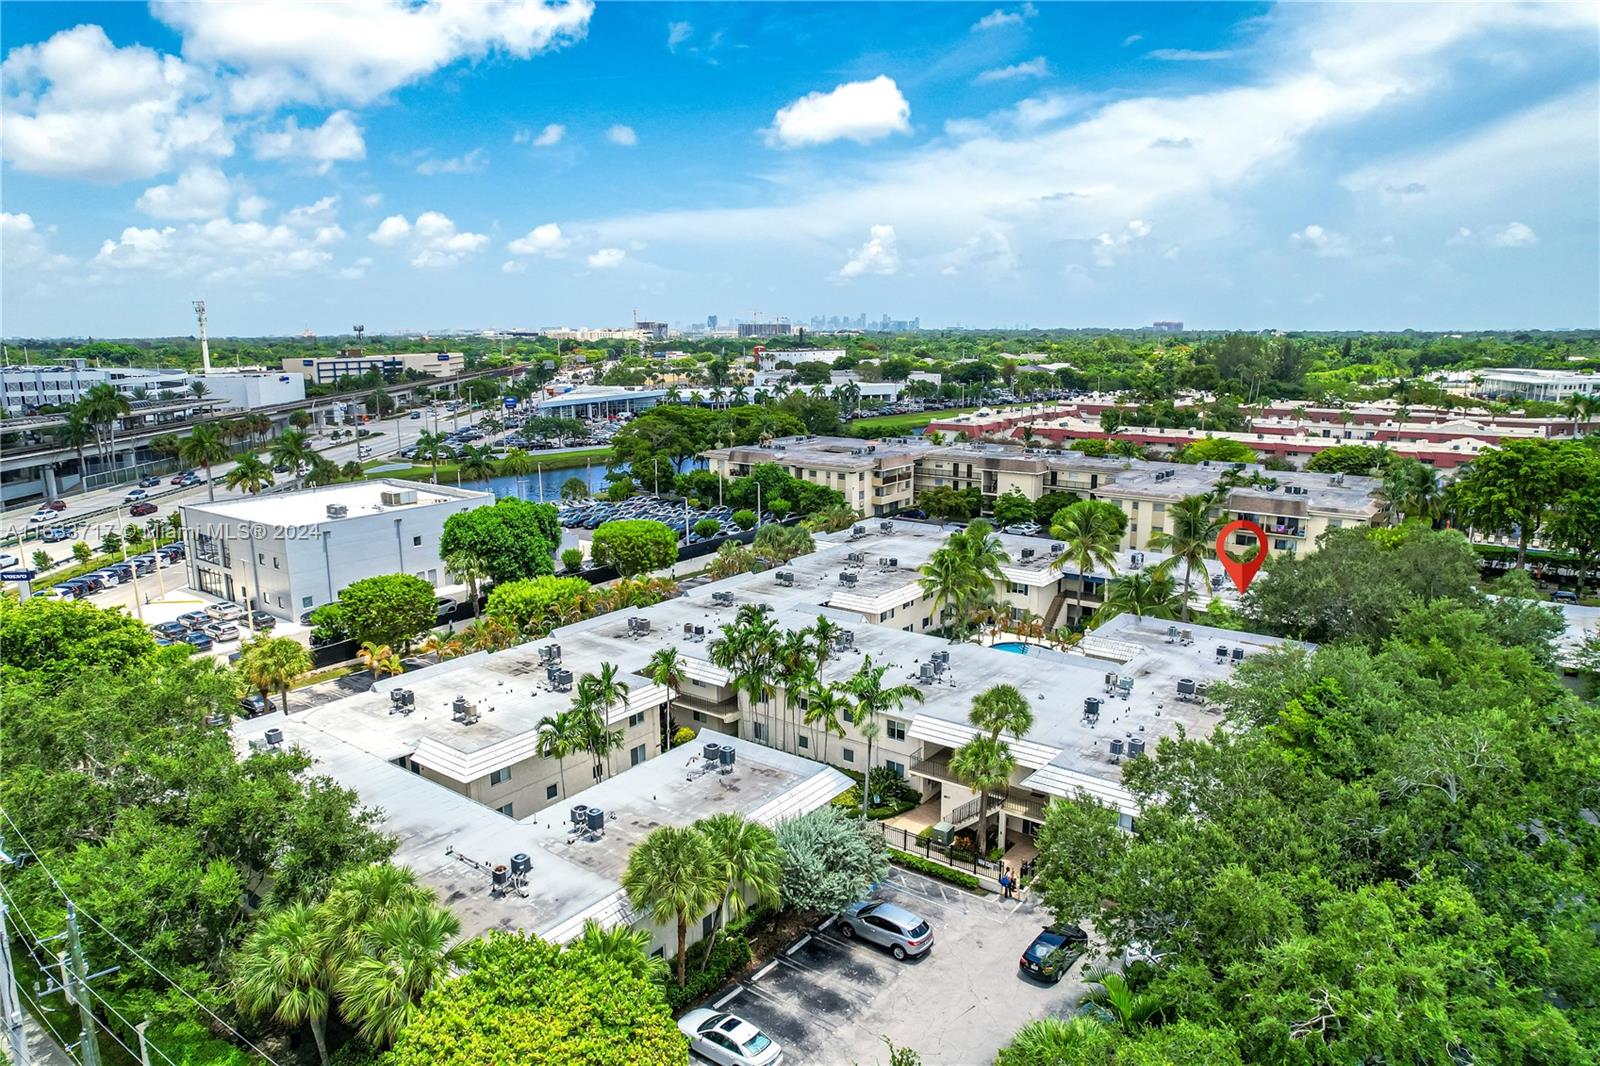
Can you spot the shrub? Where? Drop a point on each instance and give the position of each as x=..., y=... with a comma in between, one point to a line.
x=683, y=736
x=634, y=546
x=572, y=559
x=730, y=955
x=745, y=519
x=389, y=609
x=937, y=869
x=707, y=528
x=537, y=605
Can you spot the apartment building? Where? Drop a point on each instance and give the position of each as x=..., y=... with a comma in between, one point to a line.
x=326, y=370
x=874, y=477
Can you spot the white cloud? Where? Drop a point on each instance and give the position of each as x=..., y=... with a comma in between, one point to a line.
x=1132, y=38
x=470, y=163
x=431, y=241
x=221, y=248
x=372, y=199
x=540, y=240
x=322, y=213
x=76, y=106
x=622, y=135
x=990, y=253
x=677, y=33
x=1190, y=55
x=337, y=140
x=548, y=137
x=513, y=266
x=878, y=256
x=1033, y=68
x=859, y=111
x=607, y=259
x=200, y=192
x=251, y=207
x=1107, y=246
x=23, y=244
x=1000, y=17
x=347, y=53
x=357, y=270
x=1515, y=235
x=1324, y=242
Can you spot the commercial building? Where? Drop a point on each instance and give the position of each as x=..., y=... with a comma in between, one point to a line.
x=246, y=390
x=25, y=389
x=326, y=370
x=1552, y=386
x=1167, y=326
x=596, y=401
x=770, y=329
x=770, y=358
x=285, y=553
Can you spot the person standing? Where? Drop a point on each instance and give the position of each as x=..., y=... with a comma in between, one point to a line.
x=1005, y=882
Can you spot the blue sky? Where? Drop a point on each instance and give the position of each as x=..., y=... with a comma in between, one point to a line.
x=427, y=166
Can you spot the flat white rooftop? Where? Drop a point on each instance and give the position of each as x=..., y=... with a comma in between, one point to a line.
x=361, y=498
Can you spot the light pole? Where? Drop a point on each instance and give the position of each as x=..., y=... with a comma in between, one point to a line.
x=138, y=605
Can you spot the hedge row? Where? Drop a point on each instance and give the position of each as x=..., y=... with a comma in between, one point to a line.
x=937, y=870
x=730, y=955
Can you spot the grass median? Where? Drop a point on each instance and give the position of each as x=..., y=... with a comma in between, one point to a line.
x=900, y=425
x=449, y=471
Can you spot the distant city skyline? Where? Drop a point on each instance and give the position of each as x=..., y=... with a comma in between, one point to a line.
x=512, y=165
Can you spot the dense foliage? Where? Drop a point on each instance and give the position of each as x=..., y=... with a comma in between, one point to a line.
x=512, y=538
x=390, y=609
x=1388, y=854
x=538, y=604
x=521, y=1000
x=634, y=546
x=829, y=860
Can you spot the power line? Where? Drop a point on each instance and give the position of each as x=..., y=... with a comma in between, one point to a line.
x=40, y=1017
x=130, y=949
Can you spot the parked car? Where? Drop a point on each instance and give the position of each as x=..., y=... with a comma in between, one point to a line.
x=443, y=606
x=7, y=560
x=262, y=620
x=224, y=612
x=56, y=505
x=1564, y=596
x=109, y=576
x=170, y=630
x=139, y=510
x=66, y=591
x=903, y=933
x=150, y=482
x=222, y=632
x=198, y=640
x=728, y=1039
x=194, y=619
x=253, y=706
x=1053, y=952
x=55, y=535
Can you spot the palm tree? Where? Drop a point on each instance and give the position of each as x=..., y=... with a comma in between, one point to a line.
x=1091, y=539
x=621, y=944
x=379, y=658
x=467, y=566
x=271, y=664
x=746, y=649
x=1051, y=1040
x=749, y=862
x=353, y=471
x=589, y=720
x=673, y=875
x=74, y=433
x=984, y=765
x=608, y=686
x=409, y=951
x=102, y=405
x=475, y=464
x=574, y=489
x=518, y=463
x=947, y=582
x=292, y=450
x=828, y=707
x=1131, y=1010
x=1144, y=593
x=1001, y=709
x=665, y=668
x=557, y=738
x=202, y=447
x=323, y=471
x=283, y=970
x=873, y=698
x=199, y=389
x=250, y=474
x=1191, y=538
x=431, y=446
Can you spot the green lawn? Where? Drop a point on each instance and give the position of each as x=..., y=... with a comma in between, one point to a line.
x=900, y=425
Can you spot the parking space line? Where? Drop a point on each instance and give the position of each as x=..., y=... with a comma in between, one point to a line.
x=832, y=918
x=729, y=998
x=802, y=942
x=764, y=970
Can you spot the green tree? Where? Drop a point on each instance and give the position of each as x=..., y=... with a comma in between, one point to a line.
x=42, y=560
x=292, y=450
x=666, y=668
x=1091, y=531
x=391, y=609
x=827, y=708
x=82, y=552
x=1361, y=459
x=779, y=544
x=536, y=606
x=744, y=518
x=1215, y=450
x=634, y=546
x=1013, y=508
x=464, y=565
x=515, y=539
x=476, y=463
x=1511, y=489
x=284, y=971
x=707, y=528
x=272, y=664
x=521, y=1000
x=1143, y=593
x=947, y=504
x=1412, y=488
x=674, y=875
x=559, y=737
x=203, y=447
x=53, y=640
x=622, y=945
x=408, y=951
x=249, y=473
x=74, y=432
x=592, y=703
x=1190, y=538
x=748, y=862
x=984, y=765
x=431, y=448
x=574, y=489
x=829, y=860
x=873, y=699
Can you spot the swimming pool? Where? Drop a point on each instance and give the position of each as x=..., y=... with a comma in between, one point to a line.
x=1011, y=646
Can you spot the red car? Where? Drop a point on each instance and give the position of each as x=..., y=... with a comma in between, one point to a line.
x=57, y=505
x=139, y=510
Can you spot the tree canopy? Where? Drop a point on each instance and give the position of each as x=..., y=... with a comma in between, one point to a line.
x=388, y=609
x=513, y=538
x=634, y=546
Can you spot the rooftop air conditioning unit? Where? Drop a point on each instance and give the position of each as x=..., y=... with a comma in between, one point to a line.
x=1027, y=553
x=1057, y=547
x=885, y=527
x=338, y=510
x=397, y=497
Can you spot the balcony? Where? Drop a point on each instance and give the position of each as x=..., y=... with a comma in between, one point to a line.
x=935, y=768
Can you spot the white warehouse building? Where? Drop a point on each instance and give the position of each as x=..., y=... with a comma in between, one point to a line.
x=288, y=553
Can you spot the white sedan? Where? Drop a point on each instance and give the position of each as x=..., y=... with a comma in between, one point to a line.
x=729, y=1039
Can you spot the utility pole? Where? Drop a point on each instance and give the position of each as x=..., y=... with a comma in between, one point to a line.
x=77, y=975
x=10, y=1002
x=205, y=348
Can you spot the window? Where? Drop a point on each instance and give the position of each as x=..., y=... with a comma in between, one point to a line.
x=636, y=755
x=895, y=729
x=275, y=565
x=897, y=767
x=1017, y=588
x=635, y=719
x=849, y=755
x=500, y=776
x=707, y=924
x=759, y=731
x=805, y=742
x=416, y=542
x=549, y=792
x=506, y=810
x=699, y=717
x=596, y=771
x=261, y=557
x=305, y=601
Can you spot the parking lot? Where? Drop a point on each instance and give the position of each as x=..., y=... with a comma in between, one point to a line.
x=831, y=1000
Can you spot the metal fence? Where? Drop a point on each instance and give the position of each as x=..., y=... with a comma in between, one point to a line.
x=955, y=857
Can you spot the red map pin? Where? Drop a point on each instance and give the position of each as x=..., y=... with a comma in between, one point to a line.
x=1242, y=572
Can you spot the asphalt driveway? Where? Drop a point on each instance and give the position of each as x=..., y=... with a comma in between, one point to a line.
x=829, y=1000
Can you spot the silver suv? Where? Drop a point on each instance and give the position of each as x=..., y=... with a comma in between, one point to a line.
x=896, y=928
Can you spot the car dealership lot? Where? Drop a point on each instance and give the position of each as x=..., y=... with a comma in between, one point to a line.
x=831, y=1000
